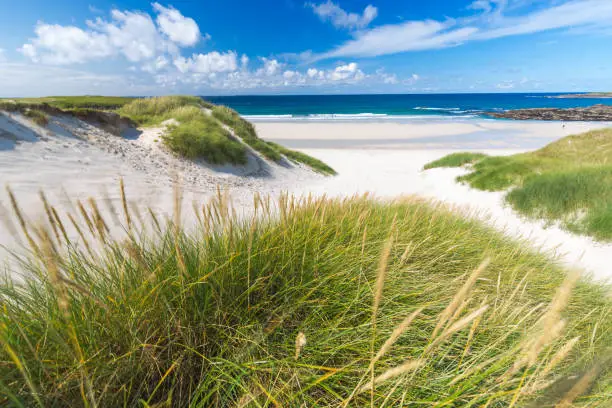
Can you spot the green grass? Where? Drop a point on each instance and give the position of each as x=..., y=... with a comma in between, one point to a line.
x=186, y=139
x=203, y=138
x=75, y=102
x=246, y=131
x=271, y=151
x=153, y=111
x=37, y=116
x=217, y=316
x=303, y=158
x=196, y=136
x=456, y=160
x=568, y=181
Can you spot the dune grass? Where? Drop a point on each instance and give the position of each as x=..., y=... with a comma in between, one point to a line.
x=568, y=181
x=37, y=116
x=76, y=102
x=195, y=135
x=314, y=303
x=456, y=160
x=272, y=151
x=203, y=138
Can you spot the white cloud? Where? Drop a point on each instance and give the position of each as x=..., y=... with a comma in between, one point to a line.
x=210, y=63
x=492, y=22
x=180, y=29
x=330, y=11
x=270, y=67
x=396, y=38
x=244, y=61
x=155, y=66
x=131, y=34
x=2, y=56
x=576, y=13
x=348, y=71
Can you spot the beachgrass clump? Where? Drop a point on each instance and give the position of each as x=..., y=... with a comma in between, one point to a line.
x=312, y=302
x=37, y=116
x=154, y=111
x=456, y=160
x=203, y=138
x=568, y=181
x=272, y=151
x=192, y=133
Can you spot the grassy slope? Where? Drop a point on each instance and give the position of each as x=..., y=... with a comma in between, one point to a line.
x=569, y=181
x=270, y=150
x=211, y=318
x=196, y=136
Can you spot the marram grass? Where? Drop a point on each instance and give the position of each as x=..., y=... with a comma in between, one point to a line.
x=311, y=302
x=568, y=181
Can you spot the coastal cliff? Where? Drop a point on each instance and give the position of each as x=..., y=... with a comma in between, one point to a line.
x=600, y=113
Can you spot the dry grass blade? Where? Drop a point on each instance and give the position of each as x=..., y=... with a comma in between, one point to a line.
x=392, y=373
x=459, y=297
x=399, y=330
x=300, y=343
x=579, y=388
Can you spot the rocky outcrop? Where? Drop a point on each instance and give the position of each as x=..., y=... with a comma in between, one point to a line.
x=596, y=113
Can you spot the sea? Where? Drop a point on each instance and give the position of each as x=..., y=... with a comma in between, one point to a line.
x=400, y=107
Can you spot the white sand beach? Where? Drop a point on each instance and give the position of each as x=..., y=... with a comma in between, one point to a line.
x=382, y=158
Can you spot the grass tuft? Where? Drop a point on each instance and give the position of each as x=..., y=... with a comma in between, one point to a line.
x=37, y=116
x=456, y=160
x=278, y=310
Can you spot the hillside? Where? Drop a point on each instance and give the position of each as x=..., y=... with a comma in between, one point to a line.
x=568, y=181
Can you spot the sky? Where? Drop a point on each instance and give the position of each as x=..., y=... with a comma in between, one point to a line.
x=234, y=47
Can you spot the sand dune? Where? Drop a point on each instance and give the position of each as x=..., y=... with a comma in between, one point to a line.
x=382, y=158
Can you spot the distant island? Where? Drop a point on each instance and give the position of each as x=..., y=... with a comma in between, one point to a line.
x=590, y=95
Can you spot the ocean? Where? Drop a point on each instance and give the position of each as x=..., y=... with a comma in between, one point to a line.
x=390, y=107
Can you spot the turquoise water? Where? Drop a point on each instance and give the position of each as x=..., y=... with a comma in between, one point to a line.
x=381, y=107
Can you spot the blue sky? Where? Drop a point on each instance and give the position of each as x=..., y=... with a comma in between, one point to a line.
x=133, y=47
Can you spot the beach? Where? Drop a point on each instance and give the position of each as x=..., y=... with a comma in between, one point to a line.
x=384, y=159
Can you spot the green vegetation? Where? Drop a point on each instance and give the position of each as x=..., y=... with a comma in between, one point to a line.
x=76, y=102
x=568, y=181
x=195, y=135
x=216, y=145
x=38, y=117
x=246, y=131
x=153, y=111
x=202, y=137
x=456, y=160
x=271, y=151
x=303, y=158
x=299, y=306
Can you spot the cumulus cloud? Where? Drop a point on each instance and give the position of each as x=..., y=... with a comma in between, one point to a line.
x=270, y=67
x=211, y=63
x=131, y=34
x=271, y=74
x=332, y=12
x=348, y=71
x=180, y=29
